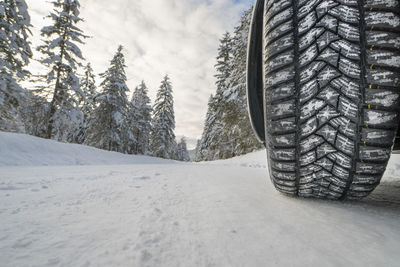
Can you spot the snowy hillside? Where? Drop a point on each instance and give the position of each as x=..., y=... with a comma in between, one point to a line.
x=121, y=210
x=25, y=150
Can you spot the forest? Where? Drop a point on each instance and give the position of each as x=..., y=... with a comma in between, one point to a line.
x=70, y=103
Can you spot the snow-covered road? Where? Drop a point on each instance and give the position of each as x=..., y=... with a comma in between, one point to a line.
x=163, y=213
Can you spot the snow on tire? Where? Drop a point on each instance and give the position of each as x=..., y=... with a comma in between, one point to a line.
x=332, y=94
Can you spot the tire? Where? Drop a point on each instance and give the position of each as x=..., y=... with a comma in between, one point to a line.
x=332, y=94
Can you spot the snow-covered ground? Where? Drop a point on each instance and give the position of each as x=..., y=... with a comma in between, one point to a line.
x=96, y=208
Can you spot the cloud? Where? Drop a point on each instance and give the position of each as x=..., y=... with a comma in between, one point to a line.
x=175, y=37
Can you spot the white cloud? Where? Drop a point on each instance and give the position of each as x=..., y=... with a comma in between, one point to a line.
x=178, y=37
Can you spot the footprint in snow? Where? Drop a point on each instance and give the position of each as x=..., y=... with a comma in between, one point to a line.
x=142, y=178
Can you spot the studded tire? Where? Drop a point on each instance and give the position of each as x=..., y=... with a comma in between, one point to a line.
x=332, y=94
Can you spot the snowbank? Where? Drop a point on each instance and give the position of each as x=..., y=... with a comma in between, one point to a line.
x=26, y=150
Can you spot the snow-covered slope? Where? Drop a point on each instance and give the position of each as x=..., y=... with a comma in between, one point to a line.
x=25, y=150
x=223, y=213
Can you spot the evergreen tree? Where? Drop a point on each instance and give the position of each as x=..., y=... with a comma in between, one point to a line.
x=15, y=53
x=197, y=155
x=34, y=110
x=182, y=152
x=141, y=110
x=87, y=101
x=236, y=121
x=108, y=128
x=61, y=55
x=214, y=142
x=163, y=142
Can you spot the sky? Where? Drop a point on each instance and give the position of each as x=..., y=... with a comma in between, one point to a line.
x=175, y=37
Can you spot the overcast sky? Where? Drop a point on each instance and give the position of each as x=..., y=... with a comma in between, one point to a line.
x=174, y=37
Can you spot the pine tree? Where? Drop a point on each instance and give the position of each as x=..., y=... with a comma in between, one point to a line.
x=212, y=126
x=236, y=121
x=61, y=55
x=34, y=110
x=182, y=152
x=108, y=128
x=15, y=53
x=163, y=142
x=87, y=101
x=197, y=155
x=141, y=110
x=214, y=142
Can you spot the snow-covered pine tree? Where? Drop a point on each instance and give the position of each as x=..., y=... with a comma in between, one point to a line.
x=208, y=141
x=197, y=155
x=87, y=101
x=108, y=128
x=15, y=53
x=214, y=142
x=142, y=120
x=34, y=110
x=182, y=152
x=236, y=122
x=61, y=55
x=163, y=142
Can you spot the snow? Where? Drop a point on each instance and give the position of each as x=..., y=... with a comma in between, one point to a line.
x=121, y=210
x=25, y=150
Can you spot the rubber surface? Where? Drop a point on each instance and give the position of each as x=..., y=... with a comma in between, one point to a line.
x=332, y=94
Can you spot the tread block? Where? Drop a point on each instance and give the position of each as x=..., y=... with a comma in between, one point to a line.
x=383, y=77
x=348, y=108
x=382, y=98
x=366, y=179
x=347, y=14
x=282, y=109
x=310, y=143
x=279, y=77
x=275, y=21
x=382, y=20
x=283, y=166
x=307, y=22
x=278, y=46
x=309, y=127
x=374, y=153
x=282, y=126
x=280, y=30
x=308, y=158
x=349, y=32
x=283, y=154
x=310, y=38
x=311, y=108
x=285, y=176
x=380, y=118
x=383, y=39
x=377, y=136
x=274, y=7
x=283, y=140
x=280, y=92
x=381, y=3
x=370, y=168
x=308, y=91
x=383, y=58
x=280, y=61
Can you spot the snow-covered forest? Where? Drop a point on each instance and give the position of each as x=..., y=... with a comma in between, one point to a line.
x=227, y=130
x=70, y=103
x=64, y=103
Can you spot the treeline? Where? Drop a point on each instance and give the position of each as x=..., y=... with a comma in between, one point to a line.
x=66, y=105
x=227, y=129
